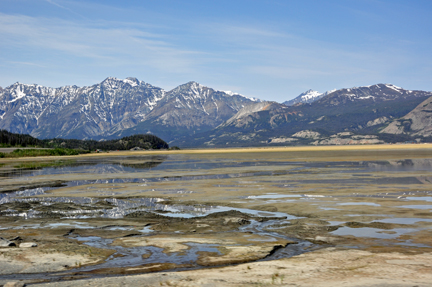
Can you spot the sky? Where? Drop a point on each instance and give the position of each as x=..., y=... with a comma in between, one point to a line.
x=272, y=49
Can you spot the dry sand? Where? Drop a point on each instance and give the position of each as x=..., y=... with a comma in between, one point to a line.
x=352, y=148
x=328, y=267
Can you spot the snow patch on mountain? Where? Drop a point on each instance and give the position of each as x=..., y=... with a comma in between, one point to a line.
x=328, y=92
x=310, y=95
x=230, y=93
x=307, y=97
x=18, y=94
x=131, y=81
x=393, y=87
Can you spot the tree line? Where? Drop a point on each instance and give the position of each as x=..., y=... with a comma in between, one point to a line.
x=142, y=141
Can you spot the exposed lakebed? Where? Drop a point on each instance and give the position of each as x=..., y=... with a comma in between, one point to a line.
x=95, y=216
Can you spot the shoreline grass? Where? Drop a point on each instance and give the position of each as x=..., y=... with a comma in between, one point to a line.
x=41, y=152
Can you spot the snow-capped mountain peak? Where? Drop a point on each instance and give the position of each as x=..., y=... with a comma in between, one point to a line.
x=230, y=93
x=307, y=97
x=113, y=82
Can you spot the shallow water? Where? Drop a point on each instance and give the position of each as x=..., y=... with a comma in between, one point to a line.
x=421, y=198
x=372, y=232
x=133, y=256
x=359, y=203
x=300, y=173
x=405, y=220
x=122, y=207
x=418, y=206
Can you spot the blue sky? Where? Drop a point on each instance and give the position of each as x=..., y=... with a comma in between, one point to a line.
x=273, y=49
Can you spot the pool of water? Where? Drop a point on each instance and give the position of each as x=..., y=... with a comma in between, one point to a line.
x=359, y=203
x=420, y=198
x=373, y=232
x=419, y=206
x=404, y=220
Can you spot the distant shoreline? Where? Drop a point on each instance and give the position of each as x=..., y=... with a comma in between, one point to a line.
x=334, y=151
x=277, y=149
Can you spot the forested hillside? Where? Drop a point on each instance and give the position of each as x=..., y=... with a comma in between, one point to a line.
x=147, y=141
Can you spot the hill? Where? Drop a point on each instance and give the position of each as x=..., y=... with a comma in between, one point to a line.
x=146, y=141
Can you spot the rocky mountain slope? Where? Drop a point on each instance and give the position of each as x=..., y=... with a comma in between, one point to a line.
x=113, y=108
x=346, y=116
x=188, y=109
x=417, y=123
x=76, y=112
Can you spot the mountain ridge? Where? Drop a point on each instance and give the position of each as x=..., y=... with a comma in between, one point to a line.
x=193, y=114
x=109, y=107
x=361, y=111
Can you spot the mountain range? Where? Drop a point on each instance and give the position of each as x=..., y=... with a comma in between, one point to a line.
x=193, y=115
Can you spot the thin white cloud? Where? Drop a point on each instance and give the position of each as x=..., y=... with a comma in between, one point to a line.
x=55, y=4
x=96, y=41
x=27, y=64
x=271, y=52
x=283, y=72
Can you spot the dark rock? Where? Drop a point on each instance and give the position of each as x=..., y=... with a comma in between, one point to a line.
x=6, y=243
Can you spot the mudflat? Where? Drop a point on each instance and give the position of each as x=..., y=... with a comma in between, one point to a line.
x=302, y=216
